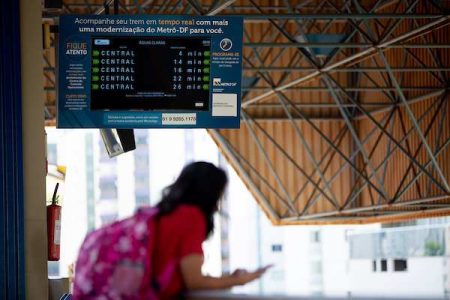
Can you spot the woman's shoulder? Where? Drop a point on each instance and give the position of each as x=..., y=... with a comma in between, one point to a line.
x=188, y=210
x=184, y=216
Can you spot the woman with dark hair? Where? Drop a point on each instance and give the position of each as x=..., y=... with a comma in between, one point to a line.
x=185, y=220
x=157, y=253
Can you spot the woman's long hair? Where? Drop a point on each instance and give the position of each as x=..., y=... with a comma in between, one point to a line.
x=201, y=184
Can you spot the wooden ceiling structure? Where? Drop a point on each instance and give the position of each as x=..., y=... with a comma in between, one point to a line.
x=345, y=115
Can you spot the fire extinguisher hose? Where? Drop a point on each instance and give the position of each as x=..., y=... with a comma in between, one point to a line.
x=54, y=193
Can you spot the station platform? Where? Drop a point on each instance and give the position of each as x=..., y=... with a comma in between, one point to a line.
x=224, y=295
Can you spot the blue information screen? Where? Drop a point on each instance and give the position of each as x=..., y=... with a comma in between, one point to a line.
x=149, y=72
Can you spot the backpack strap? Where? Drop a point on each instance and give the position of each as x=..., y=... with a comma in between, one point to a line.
x=150, y=288
x=165, y=278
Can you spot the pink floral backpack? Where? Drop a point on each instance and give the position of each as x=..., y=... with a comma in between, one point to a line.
x=115, y=262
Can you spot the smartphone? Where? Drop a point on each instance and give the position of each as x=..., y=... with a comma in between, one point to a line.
x=264, y=269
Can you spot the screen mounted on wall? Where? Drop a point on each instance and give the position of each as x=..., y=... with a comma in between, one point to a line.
x=149, y=71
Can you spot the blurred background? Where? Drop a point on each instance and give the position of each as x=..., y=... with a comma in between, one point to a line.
x=409, y=259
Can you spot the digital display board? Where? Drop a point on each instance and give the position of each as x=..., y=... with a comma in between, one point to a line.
x=149, y=72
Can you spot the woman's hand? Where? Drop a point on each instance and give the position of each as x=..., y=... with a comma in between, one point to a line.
x=194, y=279
x=242, y=276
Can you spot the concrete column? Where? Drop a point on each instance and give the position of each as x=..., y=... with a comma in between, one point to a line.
x=36, y=279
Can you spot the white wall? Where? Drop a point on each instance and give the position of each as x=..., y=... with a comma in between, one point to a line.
x=71, y=149
x=296, y=265
x=424, y=278
x=212, y=264
x=274, y=279
x=243, y=234
x=332, y=252
x=204, y=147
x=126, y=198
x=335, y=255
x=166, y=151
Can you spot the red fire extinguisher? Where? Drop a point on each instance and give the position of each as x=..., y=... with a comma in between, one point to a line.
x=46, y=153
x=54, y=227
